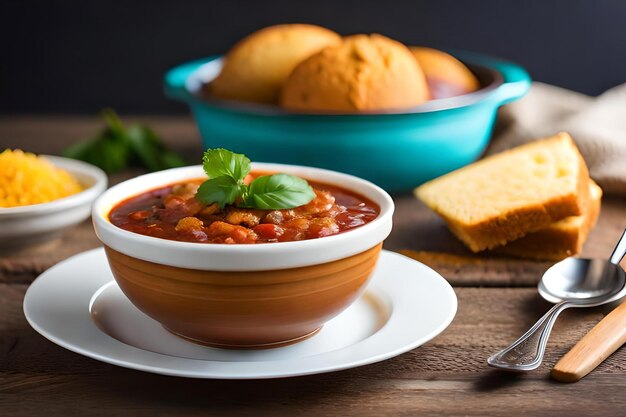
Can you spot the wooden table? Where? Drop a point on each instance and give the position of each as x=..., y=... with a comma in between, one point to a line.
x=497, y=303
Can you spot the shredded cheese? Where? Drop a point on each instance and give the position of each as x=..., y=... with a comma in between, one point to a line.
x=28, y=179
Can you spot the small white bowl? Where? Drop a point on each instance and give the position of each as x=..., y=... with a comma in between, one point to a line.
x=37, y=223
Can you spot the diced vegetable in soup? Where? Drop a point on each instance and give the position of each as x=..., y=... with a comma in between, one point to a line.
x=173, y=212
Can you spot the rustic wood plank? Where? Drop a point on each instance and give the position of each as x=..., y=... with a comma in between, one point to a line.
x=24, y=265
x=343, y=393
x=447, y=375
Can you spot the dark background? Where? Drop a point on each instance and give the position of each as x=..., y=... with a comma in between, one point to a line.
x=80, y=56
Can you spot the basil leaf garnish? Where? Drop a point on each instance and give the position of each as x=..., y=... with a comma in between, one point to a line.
x=221, y=190
x=222, y=162
x=226, y=171
x=278, y=191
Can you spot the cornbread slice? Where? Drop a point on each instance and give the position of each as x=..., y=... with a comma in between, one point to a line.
x=561, y=239
x=506, y=196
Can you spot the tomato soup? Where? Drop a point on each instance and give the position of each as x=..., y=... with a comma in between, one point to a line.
x=173, y=212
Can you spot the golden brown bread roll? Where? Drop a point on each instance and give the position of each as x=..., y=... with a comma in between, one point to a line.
x=446, y=75
x=364, y=73
x=257, y=66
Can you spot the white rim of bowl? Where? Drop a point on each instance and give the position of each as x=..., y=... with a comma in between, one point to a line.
x=75, y=168
x=242, y=257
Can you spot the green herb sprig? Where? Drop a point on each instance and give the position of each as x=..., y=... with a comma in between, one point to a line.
x=117, y=147
x=226, y=171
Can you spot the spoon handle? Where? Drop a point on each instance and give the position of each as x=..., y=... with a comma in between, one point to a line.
x=597, y=345
x=619, y=251
x=526, y=353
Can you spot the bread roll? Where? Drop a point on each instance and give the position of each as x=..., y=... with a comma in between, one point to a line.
x=257, y=66
x=446, y=75
x=364, y=73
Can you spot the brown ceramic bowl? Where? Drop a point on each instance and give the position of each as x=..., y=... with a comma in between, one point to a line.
x=243, y=296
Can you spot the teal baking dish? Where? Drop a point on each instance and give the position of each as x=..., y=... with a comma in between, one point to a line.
x=396, y=150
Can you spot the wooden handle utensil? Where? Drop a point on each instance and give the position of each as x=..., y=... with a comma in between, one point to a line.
x=597, y=345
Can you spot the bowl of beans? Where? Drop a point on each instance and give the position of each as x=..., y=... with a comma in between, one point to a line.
x=234, y=276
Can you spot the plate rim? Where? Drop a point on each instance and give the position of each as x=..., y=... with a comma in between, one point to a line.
x=279, y=373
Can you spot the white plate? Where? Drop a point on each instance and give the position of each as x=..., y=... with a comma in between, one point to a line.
x=77, y=305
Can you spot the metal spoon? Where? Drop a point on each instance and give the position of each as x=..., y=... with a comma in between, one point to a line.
x=575, y=282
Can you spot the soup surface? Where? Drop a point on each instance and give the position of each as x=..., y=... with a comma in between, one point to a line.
x=173, y=212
